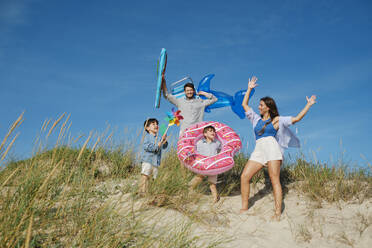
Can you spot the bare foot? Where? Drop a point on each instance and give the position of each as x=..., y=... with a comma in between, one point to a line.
x=275, y=217
x=217, y=199
x=243, y=210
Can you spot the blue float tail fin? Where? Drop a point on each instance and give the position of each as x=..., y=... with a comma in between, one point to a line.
x=237, y=107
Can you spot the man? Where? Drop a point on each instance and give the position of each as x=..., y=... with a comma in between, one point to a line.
x=192, y=109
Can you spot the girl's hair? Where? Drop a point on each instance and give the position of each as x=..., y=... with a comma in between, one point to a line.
x=273, y=111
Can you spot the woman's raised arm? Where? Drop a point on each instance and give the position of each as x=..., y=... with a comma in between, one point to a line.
x=310, y=102
x=251, y=85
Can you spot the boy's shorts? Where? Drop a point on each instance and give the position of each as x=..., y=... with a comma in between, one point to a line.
x=148, y=169
x=212, y=179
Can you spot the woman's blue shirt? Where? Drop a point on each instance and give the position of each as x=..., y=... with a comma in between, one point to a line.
x=269, y=130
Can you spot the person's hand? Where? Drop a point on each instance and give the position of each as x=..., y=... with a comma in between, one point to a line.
x=203, y=93
x=252, y=82
x=164, y=139
x=311, y=101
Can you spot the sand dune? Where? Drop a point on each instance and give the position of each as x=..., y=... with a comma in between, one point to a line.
x=304, y=223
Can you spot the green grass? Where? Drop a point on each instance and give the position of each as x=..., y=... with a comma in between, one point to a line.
x=62, y=196
x=322, y=182
x=67, y=207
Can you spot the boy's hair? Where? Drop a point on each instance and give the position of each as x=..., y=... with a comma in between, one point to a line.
x=148, y=122
x=208, y=128
x=191, y=85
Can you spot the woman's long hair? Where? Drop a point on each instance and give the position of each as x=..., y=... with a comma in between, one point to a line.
x=273, y=111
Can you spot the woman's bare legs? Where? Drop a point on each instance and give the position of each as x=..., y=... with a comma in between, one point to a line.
x=250, y=169
x=274, y=173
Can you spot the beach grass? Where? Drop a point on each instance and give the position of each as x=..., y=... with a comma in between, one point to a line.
x=63, y=195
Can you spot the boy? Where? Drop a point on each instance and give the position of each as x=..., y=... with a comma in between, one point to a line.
x=208, y=146
x=151, y=153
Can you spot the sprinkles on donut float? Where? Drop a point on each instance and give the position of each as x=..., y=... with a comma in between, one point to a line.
x=213, y=165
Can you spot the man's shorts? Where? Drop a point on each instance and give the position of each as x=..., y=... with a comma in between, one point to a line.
x=148, y=169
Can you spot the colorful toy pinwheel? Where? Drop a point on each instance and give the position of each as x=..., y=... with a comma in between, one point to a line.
x=173, y=118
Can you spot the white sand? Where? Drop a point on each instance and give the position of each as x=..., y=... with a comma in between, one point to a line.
x=303, y=224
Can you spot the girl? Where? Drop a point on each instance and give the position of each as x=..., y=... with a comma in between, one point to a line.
x=272, y=136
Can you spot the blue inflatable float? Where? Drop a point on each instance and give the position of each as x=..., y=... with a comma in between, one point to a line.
x=162, y=63
x=224, y=99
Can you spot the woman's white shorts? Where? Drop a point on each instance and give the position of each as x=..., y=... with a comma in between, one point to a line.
x=267, y=149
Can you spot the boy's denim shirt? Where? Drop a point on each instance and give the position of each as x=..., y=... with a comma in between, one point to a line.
x=152, y=152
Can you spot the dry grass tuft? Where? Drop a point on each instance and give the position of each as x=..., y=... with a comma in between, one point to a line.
x=56, y=198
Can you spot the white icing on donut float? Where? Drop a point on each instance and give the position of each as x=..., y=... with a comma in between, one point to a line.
x=213, y=165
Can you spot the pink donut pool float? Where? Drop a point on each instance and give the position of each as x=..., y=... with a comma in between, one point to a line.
x=213, y=165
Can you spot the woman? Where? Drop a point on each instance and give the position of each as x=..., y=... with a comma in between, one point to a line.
x=272, y=136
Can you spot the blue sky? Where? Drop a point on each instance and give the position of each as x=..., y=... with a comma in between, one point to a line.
x=96, y=60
